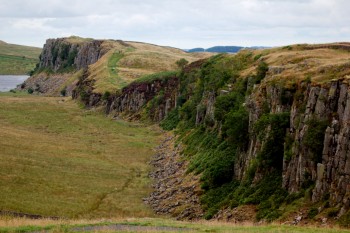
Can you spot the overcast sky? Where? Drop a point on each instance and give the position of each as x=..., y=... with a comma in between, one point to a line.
x=178, y=23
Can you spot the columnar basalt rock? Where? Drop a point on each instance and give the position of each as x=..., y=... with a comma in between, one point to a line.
x=134, y=98
x=330, y=103
x=59, y=53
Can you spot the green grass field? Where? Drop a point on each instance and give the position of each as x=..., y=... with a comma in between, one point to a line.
x=17, y=59
x=57, y=159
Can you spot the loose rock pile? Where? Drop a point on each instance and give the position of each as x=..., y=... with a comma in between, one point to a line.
x=175, y=192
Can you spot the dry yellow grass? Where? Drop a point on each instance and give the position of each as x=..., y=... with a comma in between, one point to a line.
x=128, y=61
x=320, y=63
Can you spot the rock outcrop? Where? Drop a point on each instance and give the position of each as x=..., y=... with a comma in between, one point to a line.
x=176, y=193
x=328, y=104
x=163, y=93
x=61, y=54
x=50, y=84
x=159, y=96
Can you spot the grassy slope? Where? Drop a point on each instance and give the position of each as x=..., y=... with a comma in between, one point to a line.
x=17, y=59
x=298, y=62
x=59, y=160
x=128, y=61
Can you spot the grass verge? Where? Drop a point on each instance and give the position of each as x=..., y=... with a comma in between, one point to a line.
x=151, y=225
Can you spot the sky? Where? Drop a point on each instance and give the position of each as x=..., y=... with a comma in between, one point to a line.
x=178, y=23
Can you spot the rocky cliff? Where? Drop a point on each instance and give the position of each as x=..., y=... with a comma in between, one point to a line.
x=110, y=64
x=61, y=63
x=78, y=53
x=262, y=129
x=267, y=129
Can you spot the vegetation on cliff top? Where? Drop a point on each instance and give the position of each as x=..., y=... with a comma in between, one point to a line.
x=130, y=61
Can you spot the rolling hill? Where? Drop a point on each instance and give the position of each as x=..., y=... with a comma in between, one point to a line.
x=17, y=59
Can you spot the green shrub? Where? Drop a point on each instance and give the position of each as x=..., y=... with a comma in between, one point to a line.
x=261, y=71
x=332, y=212
x=71, y=57
x=181, y=63
x=106, y=95
x=272, y=152
x=64, y=51
x=257, y=57
x=294, y=196
x=63, y=91
x=30, y=90
x=344, y=220
x=225, y=103
x=236, y=128
x=171, y=120
x=287, y=95
x=314, y=138
x=165, y=75
x=313, y=211
x=288, y=145
x=84, y=96
x=216, y=198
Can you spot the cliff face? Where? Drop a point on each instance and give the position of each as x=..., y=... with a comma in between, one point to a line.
x=331, y=171
x=61, y=63
x=323, y=104
x=157, y=97
x=295, y=135
x=111, y=64
x=61, y=53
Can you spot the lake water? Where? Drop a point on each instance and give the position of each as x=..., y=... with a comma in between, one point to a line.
x=8, y=82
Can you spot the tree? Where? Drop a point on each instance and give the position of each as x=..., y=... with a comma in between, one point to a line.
x=181, y=63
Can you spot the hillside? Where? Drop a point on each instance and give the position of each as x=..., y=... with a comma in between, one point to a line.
x=109, y=64
x=17, y=59
x=60, y=160
x=260, y=135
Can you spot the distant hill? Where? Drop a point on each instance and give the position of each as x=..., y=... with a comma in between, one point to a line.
x=17, y=59
x=195, y=50
x=223, y=49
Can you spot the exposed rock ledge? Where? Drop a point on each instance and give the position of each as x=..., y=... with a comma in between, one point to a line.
x=175, y=192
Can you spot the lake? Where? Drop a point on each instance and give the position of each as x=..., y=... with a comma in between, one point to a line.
x=8, y=82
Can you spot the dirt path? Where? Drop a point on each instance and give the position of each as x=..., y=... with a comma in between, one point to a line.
x=131, y=228
x=123, y=228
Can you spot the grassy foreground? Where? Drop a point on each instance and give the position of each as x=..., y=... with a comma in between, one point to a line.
x=149, y=225
x=57, y=159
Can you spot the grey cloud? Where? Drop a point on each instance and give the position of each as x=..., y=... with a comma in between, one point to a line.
x=182, y=23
